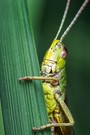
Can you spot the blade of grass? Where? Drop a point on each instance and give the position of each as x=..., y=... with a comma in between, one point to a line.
x=1, y=122
x=22, y=104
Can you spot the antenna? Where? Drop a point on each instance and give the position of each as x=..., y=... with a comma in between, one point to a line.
x=74, y=20
x=63, y=19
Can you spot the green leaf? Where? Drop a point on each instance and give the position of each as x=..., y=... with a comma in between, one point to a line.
x=23, y=105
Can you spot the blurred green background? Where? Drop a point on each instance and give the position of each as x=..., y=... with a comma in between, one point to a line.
x=46, y=18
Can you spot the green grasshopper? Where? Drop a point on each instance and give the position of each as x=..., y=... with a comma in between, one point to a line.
x=54, y=81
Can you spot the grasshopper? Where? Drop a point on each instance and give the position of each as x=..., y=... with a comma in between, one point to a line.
x=53, y=78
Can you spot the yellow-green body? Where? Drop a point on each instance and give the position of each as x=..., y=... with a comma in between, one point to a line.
x=53, y=65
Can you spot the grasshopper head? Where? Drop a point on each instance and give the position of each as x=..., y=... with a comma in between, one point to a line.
x=56, y=51
x=55, y=57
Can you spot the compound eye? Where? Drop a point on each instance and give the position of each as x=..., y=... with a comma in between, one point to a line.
x=64, y=53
